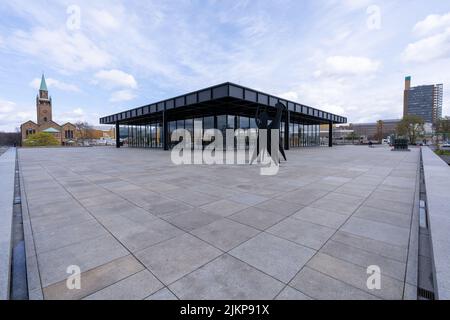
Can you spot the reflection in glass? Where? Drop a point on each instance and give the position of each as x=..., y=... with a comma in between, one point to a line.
x=189, y=126
x=230, y=122
x=149, y=135
x=198, y=133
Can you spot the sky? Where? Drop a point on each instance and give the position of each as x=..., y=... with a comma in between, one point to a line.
x=348, y=57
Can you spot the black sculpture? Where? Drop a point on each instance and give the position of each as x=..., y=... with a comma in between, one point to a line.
x=262, y=122
x=400, y=144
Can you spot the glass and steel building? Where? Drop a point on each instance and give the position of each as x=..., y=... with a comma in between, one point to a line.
x=423, y=101
x=222, y=107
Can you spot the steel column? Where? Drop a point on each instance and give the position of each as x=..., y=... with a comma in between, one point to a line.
x=164, y=135
x=330, y=134
x=287, y=121
x=117, y=135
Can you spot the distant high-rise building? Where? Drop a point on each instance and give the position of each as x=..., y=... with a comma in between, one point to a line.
x=424, y=101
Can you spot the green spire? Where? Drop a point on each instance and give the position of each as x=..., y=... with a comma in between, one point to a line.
x=43, y=84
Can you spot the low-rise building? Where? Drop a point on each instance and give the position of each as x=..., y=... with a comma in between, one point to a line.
x=65, y=134
x=375, y=130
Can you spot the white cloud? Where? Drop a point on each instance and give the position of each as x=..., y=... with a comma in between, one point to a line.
x=77, y=114
x=291, y=95
x=428, y=49
x=6, y=106
x=334, y=108
x=60, y=48
x=11, y=115
x=247, y=42
x=356, y=100
x=356, y=4
x=433, y=22
x=122, y=95
x=53, y=83
x=105, y=19
x=350, y=65
x=115, y=78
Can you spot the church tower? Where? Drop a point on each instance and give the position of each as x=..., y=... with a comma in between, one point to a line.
x=43, y=104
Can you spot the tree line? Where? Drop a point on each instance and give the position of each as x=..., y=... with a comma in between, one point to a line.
x=412, y=127
x=10, y=138
x=83, y=131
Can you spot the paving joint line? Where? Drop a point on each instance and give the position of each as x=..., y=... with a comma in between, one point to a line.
x=318, y=251
x=107, y=230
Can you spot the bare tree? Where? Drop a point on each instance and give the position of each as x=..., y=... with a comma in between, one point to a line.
x=84, y=131
x=10, y=138
x=380, y=134
x=443, y=127
x=411, y=127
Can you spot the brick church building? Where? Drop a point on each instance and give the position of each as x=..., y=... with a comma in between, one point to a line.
x=64, y=133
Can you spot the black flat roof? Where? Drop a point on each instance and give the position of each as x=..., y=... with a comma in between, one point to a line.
x=226, y=97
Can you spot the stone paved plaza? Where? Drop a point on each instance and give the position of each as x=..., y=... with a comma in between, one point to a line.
x=140, y=227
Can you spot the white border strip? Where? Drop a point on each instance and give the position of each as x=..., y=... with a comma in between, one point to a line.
x=437, y=183
x=7, y=174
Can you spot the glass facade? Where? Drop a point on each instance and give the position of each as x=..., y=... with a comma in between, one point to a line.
x=426, y=102
x=303, y=135
x=420, y=102
x=150, y=136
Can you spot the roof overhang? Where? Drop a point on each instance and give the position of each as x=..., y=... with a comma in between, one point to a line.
x=227, y=98
x=51, y=130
